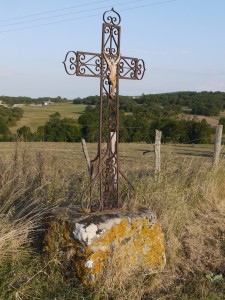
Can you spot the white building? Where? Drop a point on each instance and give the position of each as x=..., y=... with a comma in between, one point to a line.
x=47, y=103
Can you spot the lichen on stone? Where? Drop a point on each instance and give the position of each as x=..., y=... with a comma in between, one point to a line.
x=89, y=242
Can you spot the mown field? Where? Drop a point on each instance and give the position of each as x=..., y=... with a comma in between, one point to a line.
x=132, y=155
x=35, y=116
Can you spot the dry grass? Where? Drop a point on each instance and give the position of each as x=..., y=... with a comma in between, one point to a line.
x=189, y=200
x=20, y=210
x=212, y=120
x=28, y=186
x=69, y=156
x=15, y=236
x=187, y=196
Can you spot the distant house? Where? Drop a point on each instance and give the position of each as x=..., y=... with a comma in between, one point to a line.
x=47, y=103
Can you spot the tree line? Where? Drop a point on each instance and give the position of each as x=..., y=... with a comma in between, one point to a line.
x=10, y=101
x=139, y=117
x=141, y=126
x=8, y=117
x=196, y=103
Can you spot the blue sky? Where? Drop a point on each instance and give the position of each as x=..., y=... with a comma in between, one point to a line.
x=182, y=43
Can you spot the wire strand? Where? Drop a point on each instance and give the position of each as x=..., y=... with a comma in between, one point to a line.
x=66, y=14
x=52, y=11
x=86, y=17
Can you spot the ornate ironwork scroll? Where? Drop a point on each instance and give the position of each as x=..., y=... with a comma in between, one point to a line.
x=70, y=63
x=104, y=191
x=131, y=68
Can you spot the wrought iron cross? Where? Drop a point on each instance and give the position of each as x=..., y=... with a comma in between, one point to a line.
x=104, y=191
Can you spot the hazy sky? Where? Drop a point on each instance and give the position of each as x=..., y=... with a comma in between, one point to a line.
x=182, y=43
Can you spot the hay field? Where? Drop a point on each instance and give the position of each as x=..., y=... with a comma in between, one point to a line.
x=133, y=156
x=35, y=116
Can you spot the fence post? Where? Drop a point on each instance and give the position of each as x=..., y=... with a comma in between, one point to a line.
x=85, y=150
x=217, y=145
x=158, y=135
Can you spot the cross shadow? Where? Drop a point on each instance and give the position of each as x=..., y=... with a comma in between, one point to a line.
x=144, y=151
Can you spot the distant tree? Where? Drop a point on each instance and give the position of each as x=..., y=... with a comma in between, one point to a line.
x=78, y=100
x=182, y=131
x=24, y=133
x=199, y=132
x=222, y=122
x=55, y=117
x=3, y=127
x=89, y=122
x=40, y=134
x=59, y=130
x=11, y=115
x=4, y=130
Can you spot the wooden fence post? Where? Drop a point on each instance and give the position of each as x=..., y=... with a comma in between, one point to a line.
x=217, y=145
x=84, y=146
x=158, y=135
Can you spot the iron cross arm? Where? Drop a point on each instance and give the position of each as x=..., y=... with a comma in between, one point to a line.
x=94, y=65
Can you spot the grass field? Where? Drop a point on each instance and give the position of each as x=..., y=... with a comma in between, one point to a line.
x=187, y=197
x=35, y=116
x=71, y=157
x=212, y=120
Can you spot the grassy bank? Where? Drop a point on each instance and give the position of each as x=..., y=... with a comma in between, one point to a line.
x=188, y=198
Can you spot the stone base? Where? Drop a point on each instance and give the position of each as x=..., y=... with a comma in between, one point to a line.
x=90, y=242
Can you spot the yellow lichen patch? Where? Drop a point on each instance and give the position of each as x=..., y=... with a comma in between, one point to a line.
x=145, y=247
x=140, y=244
x=148, y=247
x=117, y=232
x=132, y=241
x=99, y=259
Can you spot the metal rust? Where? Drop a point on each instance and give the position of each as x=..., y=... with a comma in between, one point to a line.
x=103, y=191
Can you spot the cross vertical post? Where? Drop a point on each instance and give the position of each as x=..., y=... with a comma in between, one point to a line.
x=103, y=191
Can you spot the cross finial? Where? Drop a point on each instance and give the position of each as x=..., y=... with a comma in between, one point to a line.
x=112, y=19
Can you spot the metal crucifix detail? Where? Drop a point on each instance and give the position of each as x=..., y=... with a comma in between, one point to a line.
x=103, y=191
